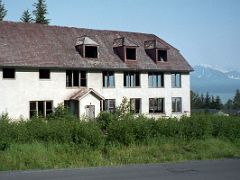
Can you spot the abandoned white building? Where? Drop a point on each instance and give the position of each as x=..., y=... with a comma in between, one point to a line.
x=89, y=71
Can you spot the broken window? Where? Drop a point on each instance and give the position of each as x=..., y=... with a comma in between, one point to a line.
x=155, y=80
x=44, y=74
x=9, y=73
x=108, y=79
x=176, y=80
x=91, y=51
x=176, y=104
x=135, y=105
x=156, y=105
x=40, y=108
x=162, y=55
x=131, y=79
x=131, y=53
x=109, y=105
x=76, y=78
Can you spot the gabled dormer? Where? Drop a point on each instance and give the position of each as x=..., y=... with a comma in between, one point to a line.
x=156, y=50
x=87, y=47
x=126, y=49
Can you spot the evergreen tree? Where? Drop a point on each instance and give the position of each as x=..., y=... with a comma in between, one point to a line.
x=229, y=105
x=40, y=12
x=3, y=11
x=195, y=101
x=218, y=103
x=207, y=101
x=236, y=100
x=26, y=17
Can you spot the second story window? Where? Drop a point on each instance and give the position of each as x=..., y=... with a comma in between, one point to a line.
x=108, y=79
x=76, y=78
x=176, y=80
x=44, y=74
x=91, y=51
x=8, y=73
x=131, y=79
x=131, y=53
x=155, y=80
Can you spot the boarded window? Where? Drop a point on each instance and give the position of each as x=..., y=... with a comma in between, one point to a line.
x=135, y=105
x=162, y=55
x=108, y=79
x=156, y=105
x=131, y=79
x=131, y=53
x=44, y=74
x=9, y=73
x=176, y=104
x=91, y=51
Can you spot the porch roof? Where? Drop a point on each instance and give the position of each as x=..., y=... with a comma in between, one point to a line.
x=84, y=92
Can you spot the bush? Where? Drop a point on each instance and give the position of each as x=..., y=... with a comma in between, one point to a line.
x=105, y=119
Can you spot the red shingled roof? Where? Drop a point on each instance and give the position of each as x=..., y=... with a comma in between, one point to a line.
x=37, y=45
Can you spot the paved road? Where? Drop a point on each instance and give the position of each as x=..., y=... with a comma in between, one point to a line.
x=195, y=170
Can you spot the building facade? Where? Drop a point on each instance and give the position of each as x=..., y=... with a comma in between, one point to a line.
x=89, y=71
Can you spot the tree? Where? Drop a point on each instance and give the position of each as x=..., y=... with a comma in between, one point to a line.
x=3, y=11
x=218, y=103
x=207, y=101
x=236, y=100
x=40, y=12
x=26, y=17
x=229, y=105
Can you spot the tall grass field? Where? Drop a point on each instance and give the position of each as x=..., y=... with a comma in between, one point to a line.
x=63, y=141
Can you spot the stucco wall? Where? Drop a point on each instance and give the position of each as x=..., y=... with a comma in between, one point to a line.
x=15, y=94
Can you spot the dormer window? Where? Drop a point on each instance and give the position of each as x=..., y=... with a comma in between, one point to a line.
x=156, y=50
x=162, y=55
x=131, y=53
x=91, y=52
x=87, y=47
x=125, y=48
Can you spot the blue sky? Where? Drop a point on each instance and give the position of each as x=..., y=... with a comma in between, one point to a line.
x=205, y=31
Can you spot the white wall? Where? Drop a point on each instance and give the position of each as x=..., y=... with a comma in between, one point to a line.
x=15, y=94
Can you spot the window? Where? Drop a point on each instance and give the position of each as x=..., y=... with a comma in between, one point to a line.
x=131, y=79
x=131, y=53
x=155, y=80
x=91, y=51
x=9, y=73
x=162, y=55
x=108, y=79
x=156, y=105
x=135, y=105
x=76, y=78
x=176, y=80
x=40, y=108
x=44, y=74
x=176, y=104
x=109, y=105
x=72, y=106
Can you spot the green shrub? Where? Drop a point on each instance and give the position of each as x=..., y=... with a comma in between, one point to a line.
x=104, y=119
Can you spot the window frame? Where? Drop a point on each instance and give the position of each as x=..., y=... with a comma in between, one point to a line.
x=42, y=71
x=107, y=74
x=156, y=106
x=174, y=78
x=128, y=82
x=11, y=69
x=134, y=110
x=90, y=46
x=175, y=109
x=46, y=111
x=151, y=80
x=70, y=78
x=106, y=105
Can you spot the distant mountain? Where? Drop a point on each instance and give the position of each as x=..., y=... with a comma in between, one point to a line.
x=215, y=81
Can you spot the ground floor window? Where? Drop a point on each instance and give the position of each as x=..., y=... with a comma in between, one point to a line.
x=176, y=104
x=135, y=105
x=109, y=105
x=41, y=108
x=156, y=105
x=72, y=106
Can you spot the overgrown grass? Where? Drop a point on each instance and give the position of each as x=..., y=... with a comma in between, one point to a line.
x=62, y=141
